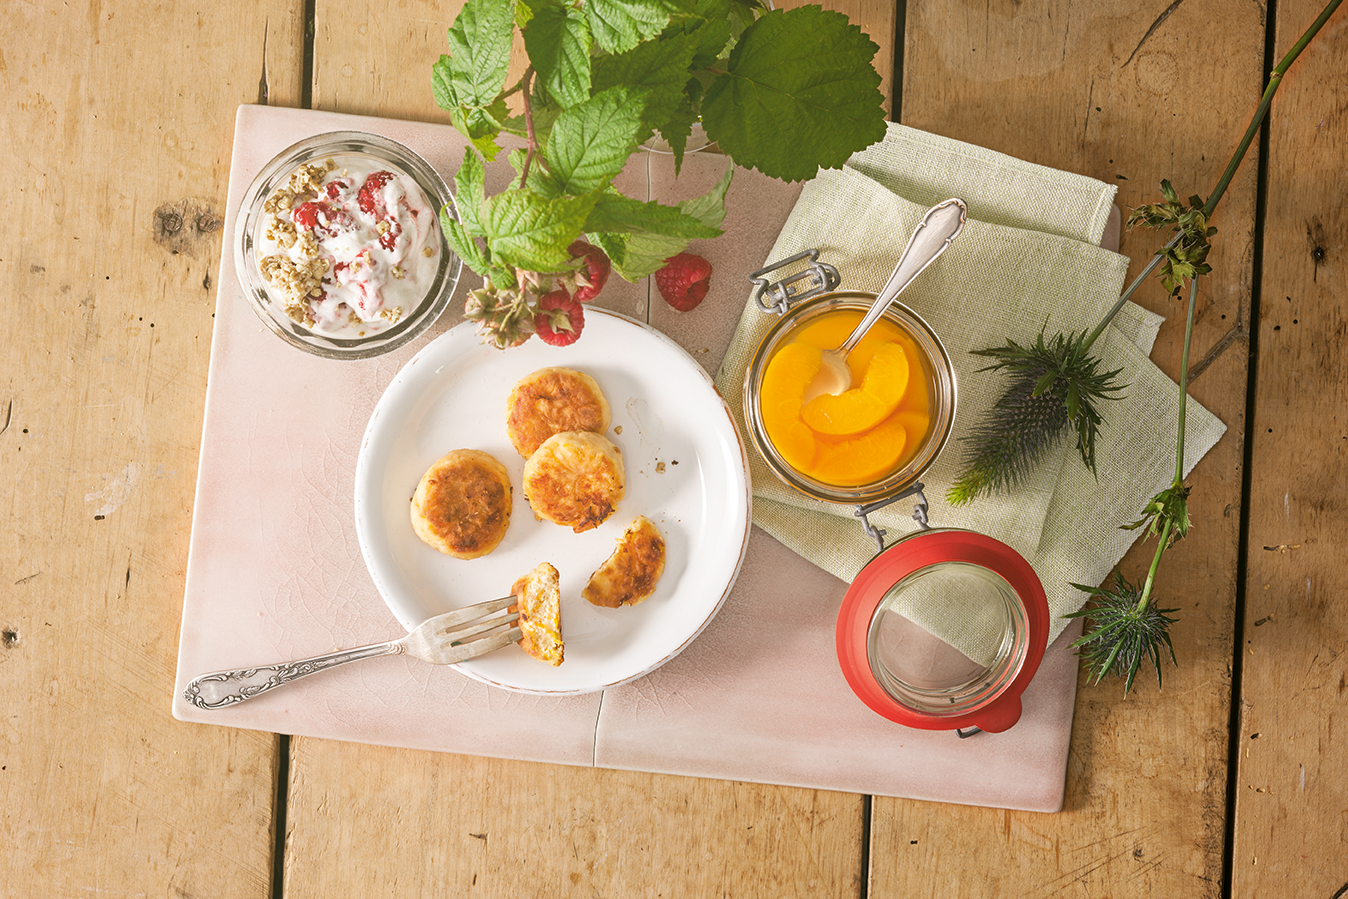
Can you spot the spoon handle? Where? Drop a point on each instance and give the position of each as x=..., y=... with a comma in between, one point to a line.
x=941, y=225
x=226, y=688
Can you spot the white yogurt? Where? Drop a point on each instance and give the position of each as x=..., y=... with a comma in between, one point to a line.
x=349, y=249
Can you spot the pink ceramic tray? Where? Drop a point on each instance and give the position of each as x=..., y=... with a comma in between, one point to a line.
x=275, y=570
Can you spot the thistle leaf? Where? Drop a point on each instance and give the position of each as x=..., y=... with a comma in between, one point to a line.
x=1052, y=386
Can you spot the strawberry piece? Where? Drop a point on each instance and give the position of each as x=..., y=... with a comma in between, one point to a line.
x=593, y=273
x=559, y=319
x=684, y=280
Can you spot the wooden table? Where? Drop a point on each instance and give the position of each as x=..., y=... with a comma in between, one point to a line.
x=1228, y=781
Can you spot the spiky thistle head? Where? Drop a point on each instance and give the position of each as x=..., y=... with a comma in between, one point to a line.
x=1124, y=631
x=1053, y=384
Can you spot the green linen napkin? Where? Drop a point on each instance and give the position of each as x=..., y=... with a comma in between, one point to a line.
x=1028, y=258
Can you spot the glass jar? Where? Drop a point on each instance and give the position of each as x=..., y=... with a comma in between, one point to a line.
x=995, y=635
x=801, y=311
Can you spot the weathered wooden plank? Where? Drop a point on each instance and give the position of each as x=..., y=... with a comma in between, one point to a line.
x=1114, y=92
x=475, y=826
x=367, y=820
x=118, y=126
x=1291, y=833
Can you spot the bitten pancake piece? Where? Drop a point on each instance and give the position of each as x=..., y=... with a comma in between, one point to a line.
x=575, y=479
x=540, y=608
x=631, y=573
x=552, y=400
x=462, y=505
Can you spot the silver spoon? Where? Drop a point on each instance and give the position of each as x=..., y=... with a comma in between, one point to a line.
x=938, y=228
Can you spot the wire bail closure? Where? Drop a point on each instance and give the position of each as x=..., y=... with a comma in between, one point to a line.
x=777, y=296
x=919, y=513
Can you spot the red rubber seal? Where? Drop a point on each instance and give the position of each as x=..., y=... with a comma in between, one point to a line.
x=995, y=714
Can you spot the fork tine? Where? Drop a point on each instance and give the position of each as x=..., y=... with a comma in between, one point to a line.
x=472, y=628
x=473, y=612
x=481, y=646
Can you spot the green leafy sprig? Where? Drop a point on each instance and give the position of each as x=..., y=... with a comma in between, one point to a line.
x=782, y=91
x=1126, y=629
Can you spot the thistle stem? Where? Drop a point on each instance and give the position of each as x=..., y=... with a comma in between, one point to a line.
x=1184, y=381
x=1128, y=292
x=1275, y=79
x=1145, y=598
x=1256, y=121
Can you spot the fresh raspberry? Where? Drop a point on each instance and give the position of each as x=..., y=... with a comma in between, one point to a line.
x=594, y=271
x=305, y=215
x=684, y=280
x=369, y=200
x=559, y=319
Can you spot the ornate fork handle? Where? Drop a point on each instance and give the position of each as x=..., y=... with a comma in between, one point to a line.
x=225, y=688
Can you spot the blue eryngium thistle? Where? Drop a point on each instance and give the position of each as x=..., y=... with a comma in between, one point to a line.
x=1052, y=385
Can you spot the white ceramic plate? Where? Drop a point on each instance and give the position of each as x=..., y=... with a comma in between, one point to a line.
x=686, y=471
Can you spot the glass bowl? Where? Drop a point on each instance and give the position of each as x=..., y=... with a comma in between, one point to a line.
x=422, y=288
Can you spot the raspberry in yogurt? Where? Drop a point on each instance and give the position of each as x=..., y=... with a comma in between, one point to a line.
x=349, y=245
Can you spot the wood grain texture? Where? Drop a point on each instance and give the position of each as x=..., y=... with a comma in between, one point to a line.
x=1108, y=91
x=367, y=821
x=1291, y=827
x=118, y=124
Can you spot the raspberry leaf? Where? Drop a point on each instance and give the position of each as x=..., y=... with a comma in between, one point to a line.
x=557, y=40
x=470, y=190
x=658, y=67
x=800, y=93
x=590, y=142
x=468, y=82
x=618, y=25
x=639, y=254
x=467, y=249
x=533, y=233
x=615, y=212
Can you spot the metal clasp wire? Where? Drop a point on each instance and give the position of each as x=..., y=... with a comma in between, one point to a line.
x=919, y=513
x=777, y=296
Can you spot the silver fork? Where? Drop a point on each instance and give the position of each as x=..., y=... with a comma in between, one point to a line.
x=443, y=640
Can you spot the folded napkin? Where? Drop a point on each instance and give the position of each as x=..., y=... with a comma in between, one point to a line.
x=1028, y=259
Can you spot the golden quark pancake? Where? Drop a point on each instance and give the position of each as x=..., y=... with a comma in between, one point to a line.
x=550, y=401
x=462, y=504
x=575, y=479
x=540, y=608
x=631, y=573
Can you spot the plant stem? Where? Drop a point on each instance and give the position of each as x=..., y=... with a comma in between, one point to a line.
x=1184, y=381
x=1275, y=79
x=525, y=82
x=1128, y=292
x=1166, y=528
x=1145, y=598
